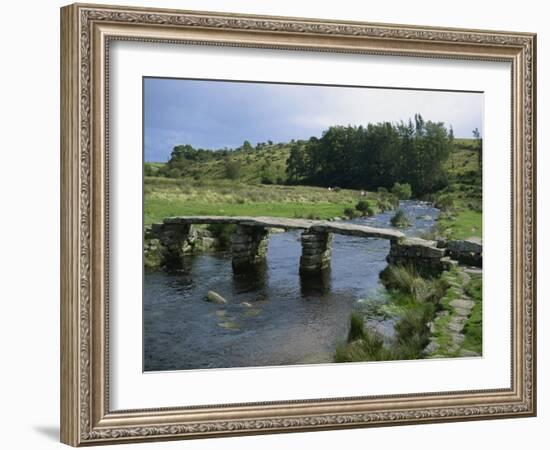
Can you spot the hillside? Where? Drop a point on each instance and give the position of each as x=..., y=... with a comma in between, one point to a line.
x=265, y=165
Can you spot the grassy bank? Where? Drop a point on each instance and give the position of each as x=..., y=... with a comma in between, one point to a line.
x=461, y=200
x=412, y=302
x=422, y=309
x=166, y=197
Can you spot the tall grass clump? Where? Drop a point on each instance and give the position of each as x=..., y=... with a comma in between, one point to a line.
x=356, y=330
x=369, y=348
x=400, y=219
x=413, y=300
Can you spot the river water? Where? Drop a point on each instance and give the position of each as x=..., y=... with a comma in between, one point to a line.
x=286, y=319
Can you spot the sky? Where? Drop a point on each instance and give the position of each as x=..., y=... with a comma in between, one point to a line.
x=218, y=114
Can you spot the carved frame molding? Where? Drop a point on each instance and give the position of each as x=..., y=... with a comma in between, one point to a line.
x=86, y=31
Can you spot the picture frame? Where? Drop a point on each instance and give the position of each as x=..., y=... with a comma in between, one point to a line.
x=87, y=32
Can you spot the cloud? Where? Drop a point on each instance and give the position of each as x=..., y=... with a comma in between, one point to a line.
x=215, y=114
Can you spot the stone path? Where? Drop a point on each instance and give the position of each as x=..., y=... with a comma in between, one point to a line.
x=451, y=322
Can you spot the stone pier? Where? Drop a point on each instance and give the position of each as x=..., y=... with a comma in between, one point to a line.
x=249, y=246
x=173, y=237
x=316, y=251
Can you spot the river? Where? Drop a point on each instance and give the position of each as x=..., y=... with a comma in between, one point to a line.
x=286, y=319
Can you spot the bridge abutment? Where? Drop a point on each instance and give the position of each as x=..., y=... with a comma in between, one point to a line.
x=316, y=251
x=424, y=255
x=249, y=246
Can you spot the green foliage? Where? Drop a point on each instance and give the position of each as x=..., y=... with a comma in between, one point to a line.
x=364, y=207
x=350, y=213
x=232, y=169
x=369, y=348
x=377, y=155
x=400, y=219
x=402, y=191
x=445, y=202
x=413, y=301
x=356, y=330
x=473, y=336
x=408, y=280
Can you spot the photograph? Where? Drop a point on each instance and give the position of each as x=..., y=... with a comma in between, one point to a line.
x=298, y=224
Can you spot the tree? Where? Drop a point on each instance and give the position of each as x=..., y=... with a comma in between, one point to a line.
x=247, y=146
x=402, y=191
x=378, y=155
x=479, y=145
x=296, y=164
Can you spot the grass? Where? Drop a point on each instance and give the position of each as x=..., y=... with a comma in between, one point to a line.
x=461, y=224
x=165, y=197
x=412, y=301
x=461, y=200
x=400, y=219
x=267, y=164
x=473, y=329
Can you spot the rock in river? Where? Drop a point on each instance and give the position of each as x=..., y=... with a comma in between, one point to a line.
x=214, y=297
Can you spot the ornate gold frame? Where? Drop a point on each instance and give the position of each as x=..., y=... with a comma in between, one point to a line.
x=86, y=31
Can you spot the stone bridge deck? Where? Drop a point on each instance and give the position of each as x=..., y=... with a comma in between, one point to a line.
x=249, y=242
x=318, y=226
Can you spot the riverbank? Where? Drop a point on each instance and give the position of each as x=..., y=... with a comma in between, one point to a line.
x=431, y=317
x=461, y=201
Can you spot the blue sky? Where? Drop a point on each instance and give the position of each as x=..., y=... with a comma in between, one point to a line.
x=218, y=114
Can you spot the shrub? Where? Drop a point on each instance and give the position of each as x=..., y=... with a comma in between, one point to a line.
x=349, y=212
x=402, y=191
x=232, y=169
x=364, y=207
x=445, y=202
x=400, y=219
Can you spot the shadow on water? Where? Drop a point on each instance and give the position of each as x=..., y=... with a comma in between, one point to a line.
x=317, y=284
x=273, y=316
x=250, y=279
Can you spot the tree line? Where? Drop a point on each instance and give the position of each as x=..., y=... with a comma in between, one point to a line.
x=357, y=157
x=378, y=155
